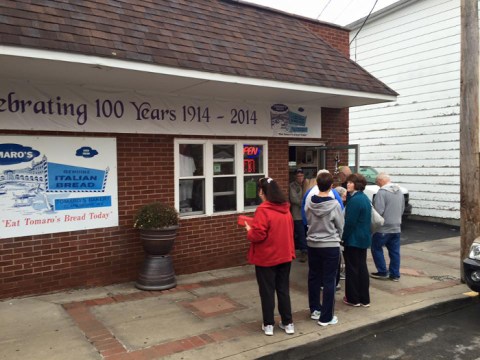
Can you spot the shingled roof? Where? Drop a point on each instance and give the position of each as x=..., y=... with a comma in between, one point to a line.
x=219, y=36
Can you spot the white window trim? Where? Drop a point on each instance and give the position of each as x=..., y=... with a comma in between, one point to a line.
x=208, y=171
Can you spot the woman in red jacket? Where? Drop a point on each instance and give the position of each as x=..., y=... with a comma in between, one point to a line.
x=272, y=250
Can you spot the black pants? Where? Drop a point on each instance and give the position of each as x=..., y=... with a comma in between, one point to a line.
x=270, y=280
x=357, y=281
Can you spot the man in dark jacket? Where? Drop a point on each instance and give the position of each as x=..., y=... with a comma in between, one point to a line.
x=295, y=196
x=389, y=203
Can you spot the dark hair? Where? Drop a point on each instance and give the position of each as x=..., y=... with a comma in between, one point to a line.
x=358, y=181
x=272, y=191
x=324, y=181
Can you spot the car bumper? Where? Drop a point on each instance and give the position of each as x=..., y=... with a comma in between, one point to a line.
x=472, y=268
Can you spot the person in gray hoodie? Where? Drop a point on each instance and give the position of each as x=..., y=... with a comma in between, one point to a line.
x=325, y=219
x=389, y=202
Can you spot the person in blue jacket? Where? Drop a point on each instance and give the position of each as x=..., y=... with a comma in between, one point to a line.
x=357, y=238
x=314, y=190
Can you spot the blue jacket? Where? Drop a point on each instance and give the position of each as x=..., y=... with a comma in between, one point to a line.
x=358, y=216
x=307, y=194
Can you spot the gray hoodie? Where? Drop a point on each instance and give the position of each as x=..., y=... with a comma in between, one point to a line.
x=325, y=219
x=390, y=203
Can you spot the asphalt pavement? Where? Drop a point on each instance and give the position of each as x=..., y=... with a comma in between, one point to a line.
x=447, y=331
x=414, y=231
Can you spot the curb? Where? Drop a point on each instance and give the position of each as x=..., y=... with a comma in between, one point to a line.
x=316, y=348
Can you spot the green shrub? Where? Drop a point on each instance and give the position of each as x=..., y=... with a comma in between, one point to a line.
x=156, y=215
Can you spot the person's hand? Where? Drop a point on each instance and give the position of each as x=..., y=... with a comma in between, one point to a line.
x=248, y=227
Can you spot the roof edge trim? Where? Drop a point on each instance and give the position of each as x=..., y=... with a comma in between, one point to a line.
x=195, y=74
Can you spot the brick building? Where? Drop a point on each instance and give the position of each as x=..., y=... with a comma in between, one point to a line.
x=230, y=91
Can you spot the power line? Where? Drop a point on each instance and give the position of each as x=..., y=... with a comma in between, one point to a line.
x=342, y=12
x=321, y=12
x=361, y=27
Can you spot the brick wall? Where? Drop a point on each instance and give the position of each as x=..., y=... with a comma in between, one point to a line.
x=335, y=132
x=335, y=36
x=44, y=263
x=335, y=126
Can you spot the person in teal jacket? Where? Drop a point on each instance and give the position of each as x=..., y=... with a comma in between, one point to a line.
x=357, y=238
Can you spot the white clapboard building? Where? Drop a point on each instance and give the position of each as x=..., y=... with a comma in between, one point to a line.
x=414, y=47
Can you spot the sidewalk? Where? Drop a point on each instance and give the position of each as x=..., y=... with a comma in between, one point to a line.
x=211, y=315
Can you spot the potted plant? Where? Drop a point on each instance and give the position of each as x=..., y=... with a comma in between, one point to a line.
x=157, y=223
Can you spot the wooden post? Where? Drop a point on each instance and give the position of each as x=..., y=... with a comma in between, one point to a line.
x=469, y=128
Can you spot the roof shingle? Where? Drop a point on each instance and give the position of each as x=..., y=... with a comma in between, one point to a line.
x=221, y=36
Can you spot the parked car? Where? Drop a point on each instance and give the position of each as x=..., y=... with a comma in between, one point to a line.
x=471, y=267
x=371, y=190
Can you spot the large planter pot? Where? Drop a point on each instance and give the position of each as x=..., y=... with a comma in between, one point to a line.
x=158, y=241
x=156, y=272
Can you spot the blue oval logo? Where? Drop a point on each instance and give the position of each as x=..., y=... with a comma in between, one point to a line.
x=15, y=154
x=279, y=107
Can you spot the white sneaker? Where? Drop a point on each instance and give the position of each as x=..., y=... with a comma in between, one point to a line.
x=268, y=329
x=289, y=329
x=315, y=315
x=331, y=322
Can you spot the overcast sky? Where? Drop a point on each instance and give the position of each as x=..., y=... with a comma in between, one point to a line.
x=341, y=12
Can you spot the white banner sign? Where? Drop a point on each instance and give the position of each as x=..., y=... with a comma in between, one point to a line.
x=56, y=184
x=65, y=108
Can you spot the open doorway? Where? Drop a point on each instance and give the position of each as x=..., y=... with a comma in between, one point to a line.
x=304, y=156
x=312, y=157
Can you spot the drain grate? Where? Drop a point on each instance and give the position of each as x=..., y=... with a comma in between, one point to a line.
x=444, y=278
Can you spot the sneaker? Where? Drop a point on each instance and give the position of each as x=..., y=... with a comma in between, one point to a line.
x=303, y=257
x=380, y=276
x=394, y=278
x=338, y=287
x=345, y=301
x=342, y=276
x=268, y=329
x=289, y=329
x=331, y=322
x=365, y=305
x=315, y=315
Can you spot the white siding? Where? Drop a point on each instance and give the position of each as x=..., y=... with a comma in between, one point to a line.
x=415, y=50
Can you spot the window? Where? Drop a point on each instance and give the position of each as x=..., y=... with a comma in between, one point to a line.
x=192, y=179
x=214, y=176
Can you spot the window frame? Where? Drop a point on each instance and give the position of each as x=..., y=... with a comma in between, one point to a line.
x=208, y=172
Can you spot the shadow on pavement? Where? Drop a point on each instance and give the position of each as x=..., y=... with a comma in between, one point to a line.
x=414, y=231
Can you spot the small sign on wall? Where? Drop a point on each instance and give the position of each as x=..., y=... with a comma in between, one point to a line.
x=56, y=184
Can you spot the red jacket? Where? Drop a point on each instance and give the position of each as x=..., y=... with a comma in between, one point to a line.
x=271, y=235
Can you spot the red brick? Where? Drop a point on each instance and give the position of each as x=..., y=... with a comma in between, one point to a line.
x=113, y=351
x=104, y=256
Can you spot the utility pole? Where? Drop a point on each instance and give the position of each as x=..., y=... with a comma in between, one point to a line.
x=469, y=128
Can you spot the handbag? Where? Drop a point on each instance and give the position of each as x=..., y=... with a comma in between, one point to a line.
x=376, y=222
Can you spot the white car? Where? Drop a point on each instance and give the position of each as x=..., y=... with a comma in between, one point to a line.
x=371, y=189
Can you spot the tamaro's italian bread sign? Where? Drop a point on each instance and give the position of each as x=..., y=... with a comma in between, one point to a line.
x=56, y=184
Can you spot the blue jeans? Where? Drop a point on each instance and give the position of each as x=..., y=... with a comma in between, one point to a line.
x=392, y=243
x=322, y=271
x=300, y=236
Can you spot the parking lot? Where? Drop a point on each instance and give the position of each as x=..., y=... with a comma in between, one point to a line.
x=414, y=231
